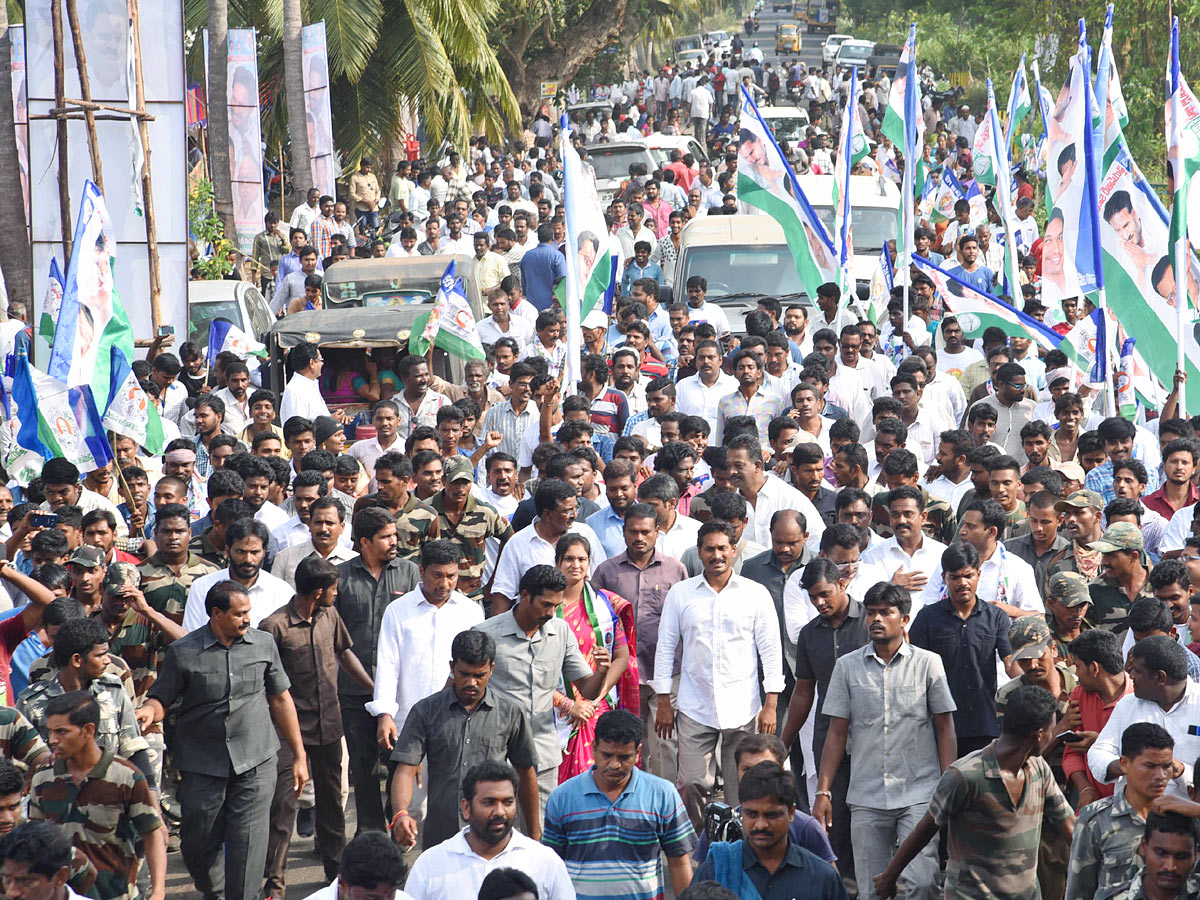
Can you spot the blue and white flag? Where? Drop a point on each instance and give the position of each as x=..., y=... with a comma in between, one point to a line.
x=224, y=336
x=129, y=411
x=451, y=324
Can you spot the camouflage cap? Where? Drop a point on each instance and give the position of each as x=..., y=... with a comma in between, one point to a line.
x=1030, y=637
x=120, y=574
x=1080, y=500
x=1069, y=589
x=459, y=468
x=87, y=556
x=1119, y=536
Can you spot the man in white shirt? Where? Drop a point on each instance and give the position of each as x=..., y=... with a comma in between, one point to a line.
x=700, y=394
x=699, y=311
x=727, y=626
x=247, y=547
x=909, y=554
x=1162, y=694
x=829, y=312
x=955, y=478
x=955, y=356
x=386, y=419
x=765, y=494
x=1005, y=580
x=456, y=868
x=304, y=214
x=502, y=323
x=307, y=489
x=302, y=396
x=372, y=865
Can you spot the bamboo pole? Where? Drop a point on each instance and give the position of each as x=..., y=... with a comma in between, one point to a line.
x=85, y=88
x=282, y=189
x=147, y=181
x=60, y=90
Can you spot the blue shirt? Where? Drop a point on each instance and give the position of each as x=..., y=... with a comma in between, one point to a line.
x=981, y=279
x=801, y=875
x=610, y=528
x=804, y=832
x=633, y=272
x=1100, y=480
x=611, y=848
x=541, y=268
x=27, y=652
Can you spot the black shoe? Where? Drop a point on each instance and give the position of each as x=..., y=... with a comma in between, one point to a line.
x=306, y=821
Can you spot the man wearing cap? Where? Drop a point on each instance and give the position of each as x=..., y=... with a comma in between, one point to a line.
x=1035, y=655
x=1124, y=576
x=86, y=568
x=1067, y=604
x=468, y=523
x=1083, y=517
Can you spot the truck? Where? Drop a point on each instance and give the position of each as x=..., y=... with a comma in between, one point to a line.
x=885, y=58
x=822, y=15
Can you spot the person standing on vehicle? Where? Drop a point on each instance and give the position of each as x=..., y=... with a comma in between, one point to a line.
x=364, y=194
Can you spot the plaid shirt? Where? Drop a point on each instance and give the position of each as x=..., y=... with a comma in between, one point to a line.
x=323, y=230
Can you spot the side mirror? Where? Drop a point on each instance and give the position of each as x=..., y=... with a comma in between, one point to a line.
x=666, y=294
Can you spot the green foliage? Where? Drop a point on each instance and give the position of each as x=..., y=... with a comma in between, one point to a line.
x=206, y=229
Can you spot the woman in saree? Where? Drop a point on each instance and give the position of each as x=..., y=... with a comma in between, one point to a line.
x=595, y=617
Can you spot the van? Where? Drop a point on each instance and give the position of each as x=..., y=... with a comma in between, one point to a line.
x=874, y=207
x=854, y=53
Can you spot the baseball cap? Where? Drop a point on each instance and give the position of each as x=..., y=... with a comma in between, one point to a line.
x=595, y=319
x=1080, y=500
x=1069, y=589
x=120, y=574
x=1072, y=471
x=459, y=468
x=1119, y=536
x=1030, y=637
x=87, y=556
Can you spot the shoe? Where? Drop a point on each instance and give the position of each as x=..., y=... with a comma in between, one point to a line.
x=306, y=821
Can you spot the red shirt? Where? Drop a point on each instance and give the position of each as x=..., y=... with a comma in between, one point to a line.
x=12, y=633
x=1094, y=715
x=1158, y=501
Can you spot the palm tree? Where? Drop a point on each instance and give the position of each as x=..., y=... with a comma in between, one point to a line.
x=293, y=64
x=14, y=249
x=218, y=111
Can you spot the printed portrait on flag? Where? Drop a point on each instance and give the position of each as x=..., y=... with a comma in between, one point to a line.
x=318, y=107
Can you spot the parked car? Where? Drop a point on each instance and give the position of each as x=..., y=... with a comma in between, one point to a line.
x=238, y=301
x=829, y=49
x=787, y=123
x=854, y=53
x=611, y=164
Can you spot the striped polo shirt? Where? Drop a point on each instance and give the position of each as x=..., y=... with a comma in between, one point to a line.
x=611, y=848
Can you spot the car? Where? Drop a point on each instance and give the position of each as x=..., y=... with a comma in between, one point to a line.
x=787, y=123
x=238, y=301
x=720, y=40
x=577, y=112
x=661, y=146
x=687, y=42
x=781, y=5
x=787, y=38
x=829, y=49
x=611, y=164
x=743, y=258
x=699, y=57
x=854, y=53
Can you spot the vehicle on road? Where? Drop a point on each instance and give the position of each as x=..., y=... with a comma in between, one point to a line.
x=661, y=146
x=611, y=164
x=829, y=49
x=787, y=123
x=821, y=15
x=721, y=41
x=238, y=301
x=787, y=38
x=874, y=205
x=687, y=42
x=577, y=112
x=699, y=57
x=886, y=57
x=854, y=53
x=781, y=5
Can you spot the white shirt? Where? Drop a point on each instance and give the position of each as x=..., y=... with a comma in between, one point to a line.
x=875, y=378
x=453, y=871
x=798, y=610
x=293, y=532
x=237, y=415
x=886, y=559
x=1178, y=721
x=680, y=539
x=303, y=216
x=712, y=314
x=1179, y=529
x=174, y=404
x=694, y=398
x=289, y=560
x=89, y=500
x=330, y=892
x=506, y=505
x=519, y=330
x=773, y=496
x=847, y=391
x=527, y=548
x=945, y=489
x=416, y=634
x=368, y=453
x=945, y=398
x=302, y=397
x=954, y=364
x=268, y=594
x=724, y=636
x=271, y=516
x=1015, y=575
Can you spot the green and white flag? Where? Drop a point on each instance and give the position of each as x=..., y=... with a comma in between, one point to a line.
x=130, y=412
x=450, y=325
x=766, y=182
x=1019, y=104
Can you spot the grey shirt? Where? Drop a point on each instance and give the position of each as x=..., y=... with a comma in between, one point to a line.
x=528, y=670
x=222, y=696
x=453, y=740
x=361, y=602
x=894, y=758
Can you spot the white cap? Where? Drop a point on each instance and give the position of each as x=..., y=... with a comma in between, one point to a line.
x=595, y=319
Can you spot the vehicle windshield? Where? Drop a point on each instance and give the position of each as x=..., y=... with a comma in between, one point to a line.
x=614, y=163
x=718, y=37
x=834, y=42
x=201, y=316
x=689, y=43
x=854, y=53
x=343, y=294
x=743, y=269
x=870, y=226
x=788, y=128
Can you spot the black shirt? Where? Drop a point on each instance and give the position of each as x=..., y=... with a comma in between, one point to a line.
x=361, y=602
x=818, y=647
x=802, y=874
x=968, y=648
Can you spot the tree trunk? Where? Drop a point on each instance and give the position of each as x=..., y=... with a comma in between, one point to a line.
x=293, y=66
x=14, y=249
x=218, y=114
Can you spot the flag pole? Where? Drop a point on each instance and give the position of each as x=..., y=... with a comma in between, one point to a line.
x=1179, y=250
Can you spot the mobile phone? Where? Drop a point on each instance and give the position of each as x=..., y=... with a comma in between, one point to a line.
x=43, y=519
x=1070, y=737
x=164, y=330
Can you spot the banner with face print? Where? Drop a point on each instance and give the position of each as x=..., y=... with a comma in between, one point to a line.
x=318, y=109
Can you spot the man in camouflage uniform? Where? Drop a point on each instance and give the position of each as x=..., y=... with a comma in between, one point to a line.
x=1083, y=517
x=1034, y=654
x=1169, y=848
x=81, y=651
x=940, y=523
x=1124, y=567
x=101, y=801
x=469, y=523
x=1107, y=835
x=20, y=741
x=1068, y=602
x=416, y=523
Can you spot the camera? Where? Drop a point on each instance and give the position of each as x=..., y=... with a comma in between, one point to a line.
x=721, y=823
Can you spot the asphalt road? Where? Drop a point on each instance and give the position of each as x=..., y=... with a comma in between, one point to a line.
x=810, y=44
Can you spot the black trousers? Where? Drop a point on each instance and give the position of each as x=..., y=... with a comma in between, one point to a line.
x=325, y=770
x=364, y=751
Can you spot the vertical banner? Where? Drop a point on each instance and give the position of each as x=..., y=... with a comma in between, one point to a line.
x=16, y=36
x=245, y=137
x=318, y=114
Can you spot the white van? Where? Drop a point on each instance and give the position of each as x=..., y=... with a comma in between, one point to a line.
x=874, y=207
x=854, y=53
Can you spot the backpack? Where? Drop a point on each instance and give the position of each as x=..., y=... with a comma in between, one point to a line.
x=773, y=82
